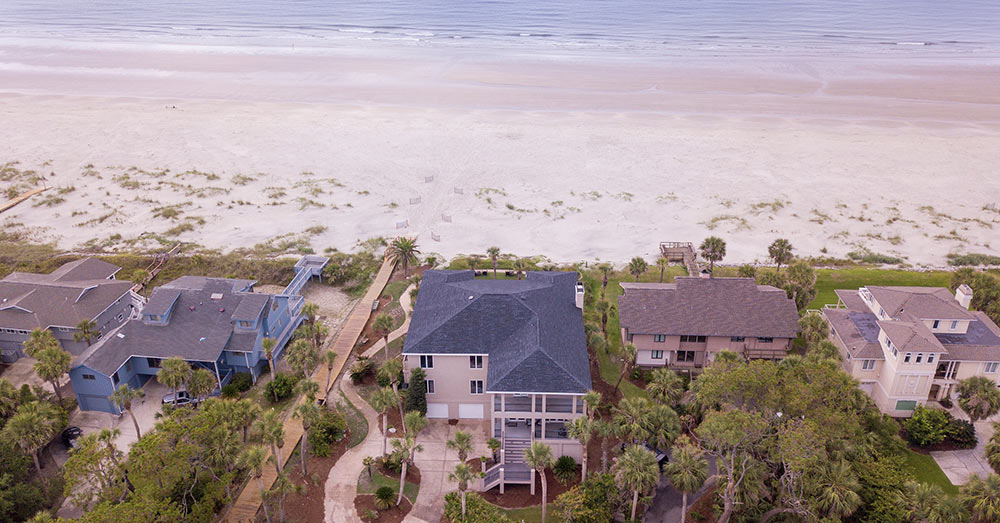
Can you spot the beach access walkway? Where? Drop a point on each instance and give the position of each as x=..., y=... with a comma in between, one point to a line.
x=20, y=198
x=407, y=304
x=245, y=508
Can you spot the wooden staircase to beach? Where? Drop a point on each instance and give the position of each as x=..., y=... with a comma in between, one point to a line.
x=682, y=252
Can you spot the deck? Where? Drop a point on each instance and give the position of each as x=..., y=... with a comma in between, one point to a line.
x=681, y=252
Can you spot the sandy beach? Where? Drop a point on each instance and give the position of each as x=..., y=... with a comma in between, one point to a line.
x=570, y=157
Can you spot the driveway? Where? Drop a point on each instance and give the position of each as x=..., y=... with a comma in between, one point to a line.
x=436, y=462
x=960, y=465
x=21, y=372
x=666, y=507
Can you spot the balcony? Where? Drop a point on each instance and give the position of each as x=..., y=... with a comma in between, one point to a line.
x=559, y=404
x=517, y=404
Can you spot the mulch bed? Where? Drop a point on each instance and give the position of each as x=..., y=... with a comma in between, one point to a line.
x=704, y=507
x=383, y=300
x=365, y=502
x=944, y=445
x=393, y=419
x=308, y=505
x=517, y=496
x=412, y=473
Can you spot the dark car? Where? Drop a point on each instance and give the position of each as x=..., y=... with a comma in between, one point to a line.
x=70, y=435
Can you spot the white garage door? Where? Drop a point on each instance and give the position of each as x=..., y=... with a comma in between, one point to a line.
x=437, y=410
x=470, y=410
x=868, y=387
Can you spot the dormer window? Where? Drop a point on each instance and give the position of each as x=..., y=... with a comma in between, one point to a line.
x=954, y=324
x=937, y=323
x=156, y=317
x=907, y=357
x=920, y=357
x=244, y=324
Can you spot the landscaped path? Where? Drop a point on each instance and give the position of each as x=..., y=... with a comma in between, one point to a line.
x=342, y=483
x=246, y=506
x=407, y=304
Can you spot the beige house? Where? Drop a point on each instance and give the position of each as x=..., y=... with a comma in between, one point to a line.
x=512, y=353
x=910, y=345
x=686, y=323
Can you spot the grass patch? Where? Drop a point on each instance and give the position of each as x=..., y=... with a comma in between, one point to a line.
x=867, y=256
x=926, y=470
x=396, y=289
x=369, y=486
x=357, y=425
x=960, y=260
x=530, y=514
x=828, y=280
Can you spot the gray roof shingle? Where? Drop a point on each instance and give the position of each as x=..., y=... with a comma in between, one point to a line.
x=708, y=307
x=530, y=329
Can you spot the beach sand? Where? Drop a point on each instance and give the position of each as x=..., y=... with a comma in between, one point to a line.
x=576, y=159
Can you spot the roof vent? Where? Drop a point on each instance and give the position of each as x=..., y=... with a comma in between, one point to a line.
x=217, y=296
x=222, y=309
x=471, y=297
x=191, y=308
x=120, y=335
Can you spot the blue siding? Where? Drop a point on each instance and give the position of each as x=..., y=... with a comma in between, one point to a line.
x=92, y=394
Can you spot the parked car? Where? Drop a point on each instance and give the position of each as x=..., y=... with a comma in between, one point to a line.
x=70, y=435
x=183, y=399
x=660, y=455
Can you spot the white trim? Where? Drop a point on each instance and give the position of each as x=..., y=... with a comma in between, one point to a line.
x=535, y=392
x=445, y=354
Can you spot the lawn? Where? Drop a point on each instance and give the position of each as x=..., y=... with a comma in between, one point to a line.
x=369, y=486
x=827, y=280
x=396, y=289
x=356, y=422
x=530, y=514
x=926, y=470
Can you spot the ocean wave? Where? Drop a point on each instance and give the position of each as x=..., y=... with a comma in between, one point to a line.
x=19, y=67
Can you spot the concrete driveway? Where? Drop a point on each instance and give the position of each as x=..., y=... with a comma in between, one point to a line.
x=960, y=465
x=666, y=507
x=21, y=372
x=145, y=411
x=436, y=462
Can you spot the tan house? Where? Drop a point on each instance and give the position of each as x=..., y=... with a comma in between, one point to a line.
x=510, y=352
x=909, y=345
x=686, y=323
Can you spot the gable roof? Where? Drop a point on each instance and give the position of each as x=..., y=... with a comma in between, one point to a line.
x=858, y=330
x=919, y=302
x=910, y=336
x=38, y=301
x=530, y=329
x=708, y=307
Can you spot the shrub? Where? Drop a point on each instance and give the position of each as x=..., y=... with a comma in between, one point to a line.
x=281, y=386
x=383, y=379
x=959, y=260
x=593, y=501
x=230, y=391
x=416, y=394
x=962, y=433
x=927, y=426
x=946, y=402
x=393, y=462
x=369, y=515
x=242, y=380
x=476, y=509
x=384, y=497
x=564, y=469
x=362, y=368
x=330, y=427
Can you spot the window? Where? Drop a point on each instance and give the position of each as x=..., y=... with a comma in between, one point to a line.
x=89, y=377
x=153, y=363
x=475, y=362
x=954, y=324
x=765, y=339
x=930, y=358
x=659, y=338
x=155, y=317
x=906, y=358
x=920, y=357
x=881, y=313
x=991, y=367
x=867, y=364
x=656, y=355
x=936, y=324
x=692, y=339
x=245, y=324
x=430, y=386
x=427, y=362
x=737, y=339
x=685, y=355
x=476, y=387
x=906, y=405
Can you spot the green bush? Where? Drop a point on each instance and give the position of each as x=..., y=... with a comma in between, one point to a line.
x=230, y=390
x=416, y=394
x=393, y=462
x=20, y=498
x=362, y=368
x=384, y=497
x=281, y=386
x=564, y=469
x=330, y=427
x=382, y=379
x=962, y=433
x=593, y=501
x=867, y=256
x=242, y=381
x=477, y=510
x=927, y=426
x=959, y=260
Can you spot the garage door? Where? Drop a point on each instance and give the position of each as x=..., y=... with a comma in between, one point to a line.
x=437, y=410
x=470, y=410
x=867, y=387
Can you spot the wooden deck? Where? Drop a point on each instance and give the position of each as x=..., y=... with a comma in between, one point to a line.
x=20, y=198
x=245, y=508
x=681, y=252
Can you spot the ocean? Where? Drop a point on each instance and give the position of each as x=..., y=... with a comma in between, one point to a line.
x=966, y=27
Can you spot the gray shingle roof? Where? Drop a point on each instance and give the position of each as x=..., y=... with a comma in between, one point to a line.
x=531, y=329
x=161, y=300
x=920, y=302
x=30, y=301
x=910, y=336
x=858, y=330
x=250, y=307
x=980, y=343
x=708, y=307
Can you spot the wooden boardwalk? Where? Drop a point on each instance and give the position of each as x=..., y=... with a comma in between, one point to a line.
x=18, y=199
x=245, y=508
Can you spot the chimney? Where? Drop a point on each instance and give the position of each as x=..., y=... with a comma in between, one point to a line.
x=579, y=295
x=963, y=294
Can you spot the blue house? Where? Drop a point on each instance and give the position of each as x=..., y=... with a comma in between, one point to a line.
x=212, y=323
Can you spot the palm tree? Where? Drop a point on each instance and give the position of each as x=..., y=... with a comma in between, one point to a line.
x=393, y=369
x=662, y=263
x=839, y=490
x=462, y=443
x=605, y=269
x=39, y=339
x=462, y=475
x=122, y=398
x=978, y=397
x=637, y=267
x=330, y=358
x=244, y=412
x=665, y=386
x=712, y=249
x=814, y=328
x=992, y=447
x=636, y=470
x=307, y=388
x=604, y=307
x=10, y=398
x=268, y=345
x=780, y=252
x=404, y=448
x=403, y=250
x=982, y=497
x=381, y=401
x=302, y=355
x=253, y=460
x=494, y=254
x=86, y=330
x=382, y=327
x=628, y=355
x=630, y=417
x=582, y=430
x=31, y=428
x=520, y=265
x=592, y=400
x=201, y=383
x=687, y=470
x=607, y=430
x=308, y=412
x=174, y=373
x=310, y=312
x=271, y=431
x=539, y=456
x=53, y=363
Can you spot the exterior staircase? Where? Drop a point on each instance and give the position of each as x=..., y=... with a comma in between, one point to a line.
x=514, y=450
